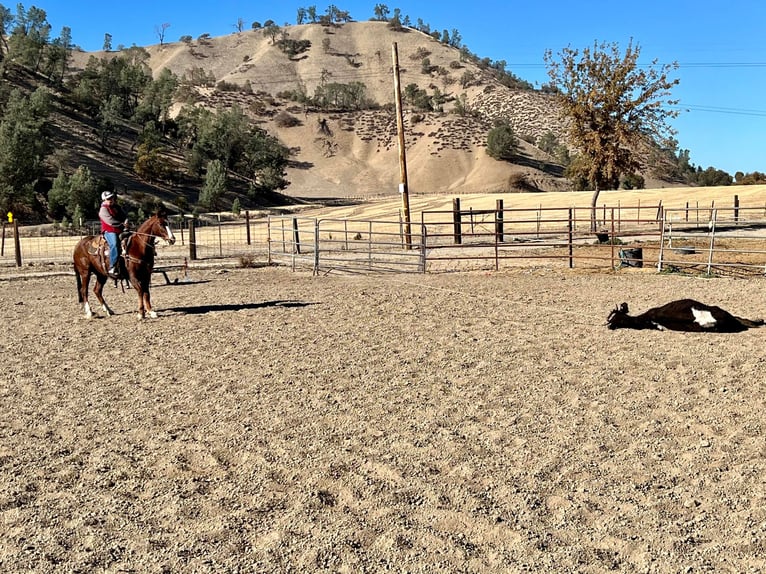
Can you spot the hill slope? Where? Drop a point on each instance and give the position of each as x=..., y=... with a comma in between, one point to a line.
x=355, y=154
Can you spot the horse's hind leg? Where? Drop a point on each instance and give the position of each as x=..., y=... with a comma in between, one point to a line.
x=98, y=289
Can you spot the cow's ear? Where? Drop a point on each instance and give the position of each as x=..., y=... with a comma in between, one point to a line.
x=624, y=308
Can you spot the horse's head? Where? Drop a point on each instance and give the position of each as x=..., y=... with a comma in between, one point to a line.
x=618, y=317
x=162, y=228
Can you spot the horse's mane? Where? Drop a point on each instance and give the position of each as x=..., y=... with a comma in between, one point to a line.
x=159, y=215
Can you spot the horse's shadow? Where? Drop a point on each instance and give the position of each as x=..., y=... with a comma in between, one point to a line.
x=202, y=309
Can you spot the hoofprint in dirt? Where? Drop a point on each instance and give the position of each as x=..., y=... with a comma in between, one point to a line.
x=271, y=421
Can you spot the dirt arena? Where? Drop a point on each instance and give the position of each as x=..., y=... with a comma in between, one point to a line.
x=271, y=421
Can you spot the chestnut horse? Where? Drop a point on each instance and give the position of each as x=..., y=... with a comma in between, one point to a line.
x=91, y=256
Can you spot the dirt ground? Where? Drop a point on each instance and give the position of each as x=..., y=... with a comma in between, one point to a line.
x=271, y=421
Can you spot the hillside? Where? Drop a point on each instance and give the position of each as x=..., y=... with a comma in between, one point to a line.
x=355, y=154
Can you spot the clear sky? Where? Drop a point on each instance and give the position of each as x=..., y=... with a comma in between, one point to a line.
x=719, y=46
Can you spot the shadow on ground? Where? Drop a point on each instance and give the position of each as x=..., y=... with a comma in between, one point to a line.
x=202, y=309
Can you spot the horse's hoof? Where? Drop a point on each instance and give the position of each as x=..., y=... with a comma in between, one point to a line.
x=152, y=315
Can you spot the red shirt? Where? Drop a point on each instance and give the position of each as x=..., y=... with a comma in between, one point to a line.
x=112, y=217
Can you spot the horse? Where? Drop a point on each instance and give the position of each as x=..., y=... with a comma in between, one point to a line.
x=91, y=257
x=681, y=315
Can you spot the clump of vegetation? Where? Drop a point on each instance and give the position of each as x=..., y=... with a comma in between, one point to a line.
x=286, y=120
x=502, y=143
x=246, y=261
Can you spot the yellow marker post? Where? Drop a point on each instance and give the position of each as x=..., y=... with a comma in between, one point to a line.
x=10, y=217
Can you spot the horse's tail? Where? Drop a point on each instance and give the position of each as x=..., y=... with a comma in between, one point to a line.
x=79, y=285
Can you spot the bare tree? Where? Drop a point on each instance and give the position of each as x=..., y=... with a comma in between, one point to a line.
x=160, y=31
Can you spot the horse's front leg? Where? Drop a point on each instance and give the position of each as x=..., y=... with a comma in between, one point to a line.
x=144, y=301
x=98, y=290
x=83, y=285
x=148, y=304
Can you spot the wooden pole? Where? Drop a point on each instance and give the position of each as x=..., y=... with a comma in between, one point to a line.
x=499, y=220
x=192, y=241
x=456, y=222
x=296, y=237
x=247, y=225
x=403, y=189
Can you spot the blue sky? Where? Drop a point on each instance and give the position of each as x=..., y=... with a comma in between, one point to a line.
x=719, y=46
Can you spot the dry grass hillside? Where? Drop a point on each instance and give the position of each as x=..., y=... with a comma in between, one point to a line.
x=355, y=154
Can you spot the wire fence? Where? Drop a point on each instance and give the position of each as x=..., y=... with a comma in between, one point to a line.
x=702, y=240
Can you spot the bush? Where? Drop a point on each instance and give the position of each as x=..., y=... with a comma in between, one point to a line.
x=501, y=142
x=286, y=120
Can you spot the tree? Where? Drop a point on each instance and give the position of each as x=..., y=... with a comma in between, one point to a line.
x=301, y=17
x=214, y=186
x=272, y=31
x=381, y=12
x=23, y=147
x=160, y=31
x=612, y=105
x=107, y=42
x=6, y=19
x=501, y=142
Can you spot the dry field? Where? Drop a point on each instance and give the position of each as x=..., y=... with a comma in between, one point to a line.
x=271, y=421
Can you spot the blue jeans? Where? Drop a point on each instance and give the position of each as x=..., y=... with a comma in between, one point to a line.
x=113, y=239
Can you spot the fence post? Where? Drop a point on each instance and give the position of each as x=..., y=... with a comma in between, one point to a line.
x=662, y=235
x=424, y=238
x=16, y=242
x=736, y=208
x=268, y=240
x=713, y=217
x=220, y=237
x=2, y=245
x=296, y=237
x=316, y=247
x=499, y=220
x=247, y=225
x=192, y=241
x=456, y=220
x=611, y=251
x=181, y=226
x=570, y=240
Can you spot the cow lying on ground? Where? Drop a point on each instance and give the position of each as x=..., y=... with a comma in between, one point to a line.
x=681, y=315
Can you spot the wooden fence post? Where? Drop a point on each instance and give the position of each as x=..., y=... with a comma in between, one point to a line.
x=192, y=240
x=499, y=220
x=296, y=237
x=736, y=208
x=456, y=223
x=247, y=225
x=2, y=245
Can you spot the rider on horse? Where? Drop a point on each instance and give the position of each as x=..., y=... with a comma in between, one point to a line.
x=113, y=223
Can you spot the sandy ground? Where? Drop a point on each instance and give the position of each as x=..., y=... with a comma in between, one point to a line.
x=271, y=421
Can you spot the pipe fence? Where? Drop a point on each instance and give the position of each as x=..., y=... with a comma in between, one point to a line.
x=694, y=239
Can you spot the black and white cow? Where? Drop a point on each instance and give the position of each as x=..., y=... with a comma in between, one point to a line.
x=681, y=315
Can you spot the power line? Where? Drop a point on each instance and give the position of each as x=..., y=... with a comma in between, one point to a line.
x=721, y=110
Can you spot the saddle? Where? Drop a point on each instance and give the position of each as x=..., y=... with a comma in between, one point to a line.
x=99, y=247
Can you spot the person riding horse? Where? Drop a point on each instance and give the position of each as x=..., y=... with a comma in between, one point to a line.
x=113, y=223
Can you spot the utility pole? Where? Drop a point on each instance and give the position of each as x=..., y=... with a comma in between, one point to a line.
x=402, y=155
